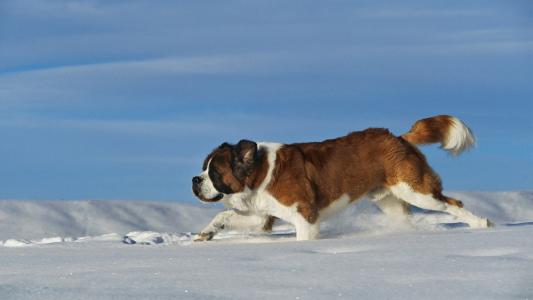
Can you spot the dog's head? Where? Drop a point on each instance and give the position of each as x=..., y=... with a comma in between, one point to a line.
x=225, y=171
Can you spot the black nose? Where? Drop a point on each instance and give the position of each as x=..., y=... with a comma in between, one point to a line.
x=196, y=179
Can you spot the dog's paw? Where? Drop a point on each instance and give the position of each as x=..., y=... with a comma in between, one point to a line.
x=481, y=223
x=203, y=236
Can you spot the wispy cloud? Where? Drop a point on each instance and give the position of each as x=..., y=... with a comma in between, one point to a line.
x=101, y=82
x=219, y=64
x=54, y=8
x=428, y=13
x=130, y=127
x=155, y=160
x=458, y=48
x=157, y=78
x=212, y=128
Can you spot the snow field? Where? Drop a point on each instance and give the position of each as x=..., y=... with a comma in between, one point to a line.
x=135, y=250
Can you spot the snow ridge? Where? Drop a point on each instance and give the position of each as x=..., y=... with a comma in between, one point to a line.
x=34, y=220
x=27, y=223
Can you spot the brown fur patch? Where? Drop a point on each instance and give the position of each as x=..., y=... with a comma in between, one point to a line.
x=429, y=130
x=221, y=163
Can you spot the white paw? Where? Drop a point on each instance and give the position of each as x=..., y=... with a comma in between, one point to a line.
x=481, y=223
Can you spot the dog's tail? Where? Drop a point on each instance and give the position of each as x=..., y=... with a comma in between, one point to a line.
x=453, y=135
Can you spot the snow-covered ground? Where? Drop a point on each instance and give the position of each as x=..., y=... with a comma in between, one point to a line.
x=38, y=219
x=76, y=250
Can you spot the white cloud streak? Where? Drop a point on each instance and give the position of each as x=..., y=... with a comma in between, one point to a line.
x=130, y=127
x=248, y=63
x=221, y=64
x=427, y=13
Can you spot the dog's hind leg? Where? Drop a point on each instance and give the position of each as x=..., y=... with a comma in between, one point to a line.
x=438, y=202
x=396, y=209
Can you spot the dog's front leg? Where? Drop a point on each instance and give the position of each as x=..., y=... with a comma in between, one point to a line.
x=231, y=219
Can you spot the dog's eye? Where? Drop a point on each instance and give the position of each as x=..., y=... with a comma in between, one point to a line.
x=215, y=176
x=219, y=184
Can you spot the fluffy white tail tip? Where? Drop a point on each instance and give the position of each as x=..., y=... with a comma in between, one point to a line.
x=459, y=137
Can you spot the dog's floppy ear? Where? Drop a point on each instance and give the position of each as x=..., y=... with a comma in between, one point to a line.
x=245, y=156
x=224, y=145
x=246, y=150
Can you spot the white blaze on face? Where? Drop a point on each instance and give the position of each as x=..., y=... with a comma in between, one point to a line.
x=207, y=188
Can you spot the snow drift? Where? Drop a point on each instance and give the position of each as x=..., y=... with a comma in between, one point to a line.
x=40, y=219
x=71, y=219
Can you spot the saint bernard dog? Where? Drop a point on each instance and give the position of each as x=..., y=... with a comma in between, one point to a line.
x=305, y=183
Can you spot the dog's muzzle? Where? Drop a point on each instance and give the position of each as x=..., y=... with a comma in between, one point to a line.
x=197, y=190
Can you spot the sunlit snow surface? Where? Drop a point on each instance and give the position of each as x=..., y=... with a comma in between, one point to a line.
x=77, y=250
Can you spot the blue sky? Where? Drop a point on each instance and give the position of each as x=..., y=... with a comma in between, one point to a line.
x=123, y=99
